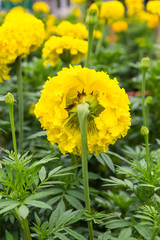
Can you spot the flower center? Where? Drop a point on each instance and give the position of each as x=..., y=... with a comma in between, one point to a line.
x=95, y=109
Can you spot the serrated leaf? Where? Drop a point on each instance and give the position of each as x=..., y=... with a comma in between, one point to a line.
x=8, y=235
x=118, y=223
x=10, y=207
x=56, y=214
x=144, y=231
x=38, y=134
x=41, y=194
x=108, y=161
x=42, y=173
x=73, y=201
x=38, y=204
x=61, y=236
x=125, y=234
x=74, y=234
x=23, y=211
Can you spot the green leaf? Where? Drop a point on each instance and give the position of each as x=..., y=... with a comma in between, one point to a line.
x=38, y=134
x=8, y=236
x=61, y=236
x=144, y=231
x=7, y=202
x=51, y=173
x=56, y=214
x=108, y=161
x=74, y=234
x=73, y=201
x=118, y=223
x=10, y=207
x=23, y=211
x=76, y=194
x=125, y=234
x=41, y=194
x=38, y=204
x=2, y=98
x=42, y=174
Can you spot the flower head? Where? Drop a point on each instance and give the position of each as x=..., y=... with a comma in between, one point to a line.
x=108, y=118
x=112, y=10
x=68, y=49
x=120, y=26
x=153, y=7
x=152, y=20
x=4, y=72
x=20, y=34
x=134, y=7
x=78, y=30
x=78, y=1
x=41, y=7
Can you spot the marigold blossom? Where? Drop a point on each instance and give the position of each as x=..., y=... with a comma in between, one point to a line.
x=120, y=26
x=78, y=1
x=41, y=7
x=68, y=49
x=153, y=7
x=20, y=34
x=4, y=72
x=152, y=20
x=66, y=28
x=109, y=116
x=134, y=7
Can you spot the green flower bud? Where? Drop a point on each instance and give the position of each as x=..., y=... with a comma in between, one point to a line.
x=91, y=16
x=99, y=3
x=145, y=63
x=144, y=131
x=9, y=99
x=149, y=100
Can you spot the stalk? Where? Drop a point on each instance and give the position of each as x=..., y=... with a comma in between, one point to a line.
x=26, y=229
x=143, y=97
x=20, y=101
x=83, y=112
x=90, y=39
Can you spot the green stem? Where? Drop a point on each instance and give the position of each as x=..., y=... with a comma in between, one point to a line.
x=26, y=229
x=143, y=97
x=147, y=151
x=90, y=39
x=154, y=234
x=11, y=115
x=20, y=101
x=99, y=43
x=83, y=112
x=147, y=116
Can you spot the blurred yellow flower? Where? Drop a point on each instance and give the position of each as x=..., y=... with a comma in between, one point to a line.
x=18, y=8
x=4, y=72
x=109, y=116
x=41, y=7
x=151, y=19
x=134, y=7
x=31, y=109
x=112, y=10
x=78, y=30
x=97, y=34
x=120, y=26
x=111, y=39
x=76, y=12
x=153, y=7
x=20, y=34
x=16, y=1
x=78, y=1
x=50, y=25
x=66, y=48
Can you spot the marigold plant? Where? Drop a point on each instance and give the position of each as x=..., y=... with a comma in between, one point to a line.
x=153, y=7
x=4, y=72
x=109, y=116
x=41, y=7
x=68, y=49
x=20, y=34
x=78, y=30
x=120, y=26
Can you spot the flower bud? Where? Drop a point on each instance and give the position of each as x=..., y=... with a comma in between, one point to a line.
x=9, y=99
x=145, y=63
x=149, y=100
x=91, y=16
x=99, y=3
x=144, y=131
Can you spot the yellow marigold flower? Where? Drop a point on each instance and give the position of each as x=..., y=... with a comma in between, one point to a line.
x=111, y=39
x=31, y=109
x=20, y=34
x=41, y=7
x=18, y=8
x=112, y=10
x=4, y=72
x=78, y=30
x=78, y=1
x=153, y=7
x=120, y=26
x=16, y=1
x=151, y=19
x=97, y=34
x=76, y=12
x=134, y=7
x=50, y=27
x=109, y=116
x=94, y=6
x=68, y=49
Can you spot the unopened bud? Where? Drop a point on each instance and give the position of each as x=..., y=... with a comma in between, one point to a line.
x=91, y=16
x=9, y=99
x=145, y=63
x=99, y=3
x=149, y=100
x=144, y=131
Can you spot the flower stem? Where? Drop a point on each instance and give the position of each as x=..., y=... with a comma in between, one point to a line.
x=90, y=39
x=20, y=101
x=11, y=115
x=83, y=112
x=99, y=43
x=143, y=97
x=26, y=229
x=147, y=151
